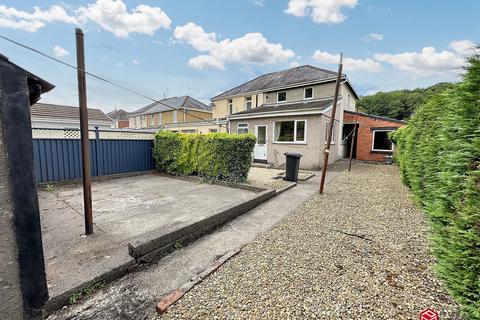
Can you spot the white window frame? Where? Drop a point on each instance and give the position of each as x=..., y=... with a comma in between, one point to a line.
x=143, y=121
x=152, y=120
x=373, y=140
x=160, y=120
x=286, y=98
x=247, y=102
x=244, y=125
x=230, y=106
x=327, y=127
x=294, y=132
x=305, y=91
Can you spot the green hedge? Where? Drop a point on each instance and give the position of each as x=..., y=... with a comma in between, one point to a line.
x=439, y=156
x=213, y=156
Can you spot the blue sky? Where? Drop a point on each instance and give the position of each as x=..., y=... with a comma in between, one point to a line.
x=201, y=48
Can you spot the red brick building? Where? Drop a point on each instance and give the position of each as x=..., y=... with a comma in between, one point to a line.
x=372, y=143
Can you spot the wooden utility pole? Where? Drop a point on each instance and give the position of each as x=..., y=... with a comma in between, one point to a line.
x=326, y=152
x=82, y=100
x=353, y=140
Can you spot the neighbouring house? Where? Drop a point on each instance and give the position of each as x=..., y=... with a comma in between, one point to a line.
x=289, y=111
x=120, y=118
x=179, y=114
x=53, y=116
x=371, y=143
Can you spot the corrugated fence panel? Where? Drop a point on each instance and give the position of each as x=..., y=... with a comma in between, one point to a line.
x=60, y=159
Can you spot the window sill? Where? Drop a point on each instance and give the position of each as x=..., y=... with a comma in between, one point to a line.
x=288, y=142
x=382, y=151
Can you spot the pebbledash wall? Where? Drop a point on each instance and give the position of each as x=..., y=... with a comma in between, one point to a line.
x=367, y=124
x=57, y=153
x=311, y=150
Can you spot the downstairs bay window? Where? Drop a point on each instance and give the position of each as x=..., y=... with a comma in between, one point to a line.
x=293, y=131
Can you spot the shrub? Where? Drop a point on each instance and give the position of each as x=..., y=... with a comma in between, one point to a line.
x=213, y=156
x=439, y=156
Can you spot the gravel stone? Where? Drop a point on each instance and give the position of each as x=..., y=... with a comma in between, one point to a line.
x=357, y=252
x=266, y=177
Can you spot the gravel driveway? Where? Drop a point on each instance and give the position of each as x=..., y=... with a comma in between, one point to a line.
x=357, y=252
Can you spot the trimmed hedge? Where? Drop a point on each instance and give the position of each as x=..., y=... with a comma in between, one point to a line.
x=439, y=156
x=213, y=156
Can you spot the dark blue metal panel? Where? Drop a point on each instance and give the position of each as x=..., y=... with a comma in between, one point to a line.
x=60, y=159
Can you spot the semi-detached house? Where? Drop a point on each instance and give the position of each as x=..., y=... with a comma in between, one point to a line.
x=179, y=114
x=289, y=111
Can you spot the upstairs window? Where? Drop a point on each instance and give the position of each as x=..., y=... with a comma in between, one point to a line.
x=281, y=96
x=242, y=128
x=381, y=142
x=175, y=116
x=248, y=103
x=152, y=119
x=308, y=93
x=230, y=106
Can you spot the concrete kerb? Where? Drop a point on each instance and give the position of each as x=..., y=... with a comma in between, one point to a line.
x=160, y=243
x=243, y=186
x=282, y=190
x=61, y=300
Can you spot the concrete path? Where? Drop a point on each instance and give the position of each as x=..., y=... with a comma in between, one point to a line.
x=135, y=295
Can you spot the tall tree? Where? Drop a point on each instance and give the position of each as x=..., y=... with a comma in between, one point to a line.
x=399, y=104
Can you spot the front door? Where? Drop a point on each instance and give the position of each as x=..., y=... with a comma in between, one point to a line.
x=261, y=145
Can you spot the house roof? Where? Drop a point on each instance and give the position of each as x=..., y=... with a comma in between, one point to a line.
x=279, y=79
x=46, y=110
x=377, y=117
x=36, y=85
x=118, y=114
x=317, y=105
x=173, y=103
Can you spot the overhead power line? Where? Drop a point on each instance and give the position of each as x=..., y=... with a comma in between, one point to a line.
x=106, y=80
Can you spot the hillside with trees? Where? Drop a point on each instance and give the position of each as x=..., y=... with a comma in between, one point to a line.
x=399, y=104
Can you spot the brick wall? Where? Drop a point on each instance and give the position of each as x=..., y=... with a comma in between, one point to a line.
x=365, y=134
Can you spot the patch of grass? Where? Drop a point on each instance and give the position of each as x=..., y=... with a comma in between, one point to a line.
x=85, y=292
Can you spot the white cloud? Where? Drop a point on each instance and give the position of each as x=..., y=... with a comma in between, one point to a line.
x=60, y=52
x=196, y=37
x=252, y=48
x=349, y=64
x=426, y=62
x=112, y=15
x=463, y=46
x=373, y=37
x=18, y=19
x=206, y=62
x=135, y=61
x=258, y=2
x=321, y=11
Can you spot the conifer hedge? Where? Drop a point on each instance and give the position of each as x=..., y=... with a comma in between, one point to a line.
x=213, y=156
x=439, y=156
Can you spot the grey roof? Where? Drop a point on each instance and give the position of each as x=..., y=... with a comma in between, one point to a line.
x=301, y=74
x=118, y=114
x=317, y=105
x=183, y=102
x=46, y=110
